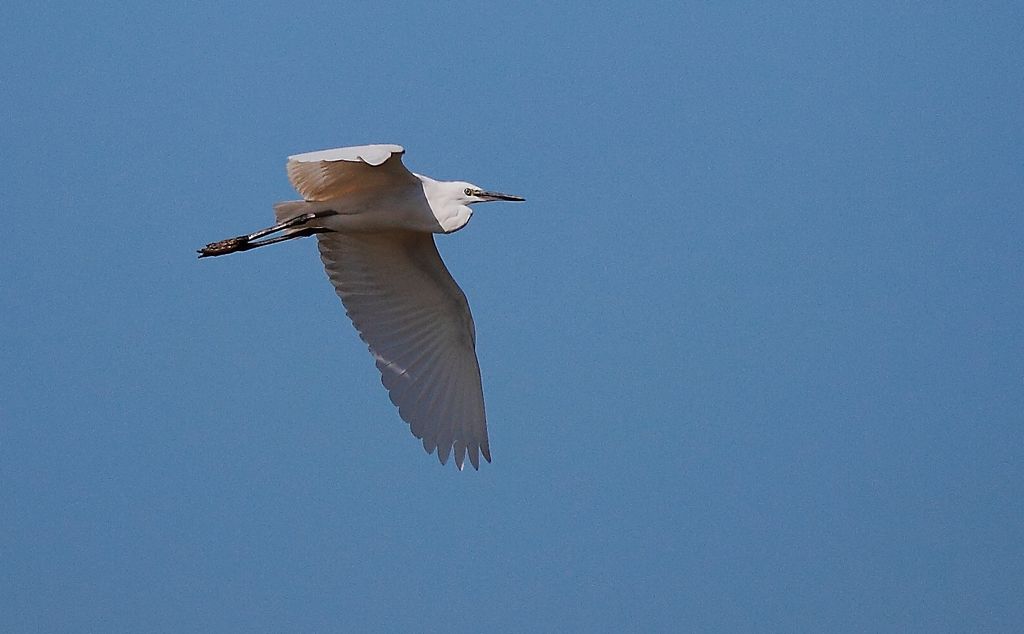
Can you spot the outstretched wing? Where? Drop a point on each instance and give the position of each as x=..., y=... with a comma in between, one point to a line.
x=330, y=174
x=416, y=321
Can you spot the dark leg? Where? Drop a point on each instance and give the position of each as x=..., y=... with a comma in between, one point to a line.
x=251, y=241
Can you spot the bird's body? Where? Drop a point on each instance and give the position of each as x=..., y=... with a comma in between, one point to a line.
x=400, y=207
x=374, y=219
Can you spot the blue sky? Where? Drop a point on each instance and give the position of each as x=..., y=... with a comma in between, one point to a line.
x=752, y=350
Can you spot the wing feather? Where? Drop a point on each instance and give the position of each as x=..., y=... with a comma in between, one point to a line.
x=422, y=396
x=439, y=412
x=330, y=174
x=416, y=321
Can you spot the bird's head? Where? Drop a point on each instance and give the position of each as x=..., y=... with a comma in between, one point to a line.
x=450, y=201
x=473, y=194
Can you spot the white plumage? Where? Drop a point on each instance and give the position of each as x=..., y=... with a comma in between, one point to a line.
x=374, y=219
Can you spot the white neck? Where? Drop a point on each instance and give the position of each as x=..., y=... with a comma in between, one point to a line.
x=446, y=202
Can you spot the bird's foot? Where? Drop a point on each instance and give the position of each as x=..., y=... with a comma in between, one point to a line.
x=251, y=241
x=223, y=247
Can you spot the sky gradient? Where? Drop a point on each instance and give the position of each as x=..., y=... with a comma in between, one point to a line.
x=752, y=349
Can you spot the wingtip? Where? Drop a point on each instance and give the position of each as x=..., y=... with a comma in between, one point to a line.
x=443, y=456
x=460, y=459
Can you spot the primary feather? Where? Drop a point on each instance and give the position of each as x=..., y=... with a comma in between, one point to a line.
x=416, y=321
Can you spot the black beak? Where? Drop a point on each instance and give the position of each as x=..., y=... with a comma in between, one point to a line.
x=497, y=196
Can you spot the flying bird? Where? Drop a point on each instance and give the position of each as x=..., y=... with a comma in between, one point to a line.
x=374, y=221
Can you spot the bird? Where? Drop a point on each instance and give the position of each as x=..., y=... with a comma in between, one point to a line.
x=375, y=221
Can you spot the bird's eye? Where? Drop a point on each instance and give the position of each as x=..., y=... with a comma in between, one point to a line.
x=469, y=191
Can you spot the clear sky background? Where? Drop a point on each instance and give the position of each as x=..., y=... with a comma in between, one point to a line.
x=752, y=351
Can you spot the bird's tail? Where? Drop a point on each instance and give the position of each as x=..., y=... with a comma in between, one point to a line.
x=289, y=209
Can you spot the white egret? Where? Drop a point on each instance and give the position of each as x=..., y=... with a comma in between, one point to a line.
x=373, y=219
